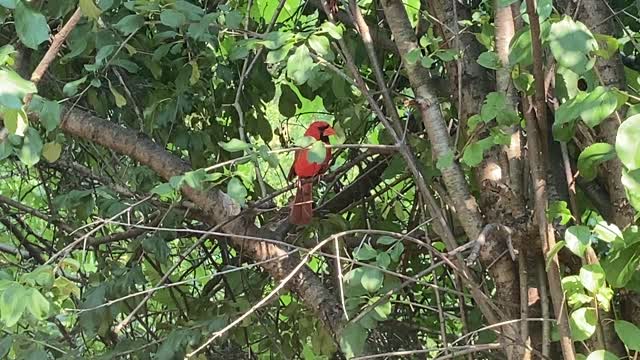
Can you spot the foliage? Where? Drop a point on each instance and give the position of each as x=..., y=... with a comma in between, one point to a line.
x=230, y=87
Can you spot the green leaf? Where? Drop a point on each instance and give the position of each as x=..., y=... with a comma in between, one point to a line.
x=12, y=304
x=592, y=156
x=592, y=277
x=631, y=183
x=51, y=151
x=608, y=45
x=494, y=104
x=620, y=265
x=413, y=56
x=16, y=121
x=288, y=101
x=237, y=191
x=520, y=49
x=89, y=9
x=553, y=252
x=234, y=145
x=119, y=98
x=321, y=45
x=317, y=153
x=381, y=311
x=372, y=279
x=172, y=18
x=31, y=148
x=598, y=105
x=9, y=4
x=365, y=252
x=299, y=65
x=352, y=340
x=49, y=112
x=474, y=153
x=386, y=240
x=607, y=232
x=583, y=323
x=31, y=26
x=163, y=189
x=601, y=355
x=628, y=333
x=13, y=88
x=195, y=179
x=383, y=259
x=578, y=239
x=5, y=344
x=571, y=44
x=71, y=88
x=278, y=55
x=490, y=60
x=129, y=24
x=276, y=39
x=627, y=144
x=37, y=304
x=335, y=31
x=396, y=251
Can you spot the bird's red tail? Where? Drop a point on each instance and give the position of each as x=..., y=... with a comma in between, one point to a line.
x=302, y=207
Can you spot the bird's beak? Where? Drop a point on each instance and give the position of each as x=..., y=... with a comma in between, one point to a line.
x=329, y=131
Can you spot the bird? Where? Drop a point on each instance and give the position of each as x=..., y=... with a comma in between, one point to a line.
x=301, y=211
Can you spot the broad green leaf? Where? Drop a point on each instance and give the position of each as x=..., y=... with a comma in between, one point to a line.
x=490, y=60
x=578, y=239
x=372, y=279
x=321, y=45
x=299, y=65
x=381, y=311
x=598, y=105
x=620, y=265
x=608, y=45
x=317, y=153
x=601, y=355
x=571, y=44
x=12, y=304
x=172, y=18
x=163, y=189
x=31, y=26
x=396, y=251
x=592, y=156
x=237, y=191
x=129, y=24
x=13, y=88
x=352, y=340
x=49, y=112
x=474, y=153
x=592, y=277
x=31, y=148
x=9, y=4
x=607, y=232
x=627, y=144
x=383, y=259
x=335, y=31
x=234, y=145
x=5, y=345
x=16, y=121
x=5, y=52
x=353, y=283
x=629, y=334
x=520, y=48
x=276, y=39
x=71, y=88
x=365, y=252
x=583, y=323
x=386, y=240
x=631, y=183
x=51, y=151
x=195, y=179
x=37, y=304
x=288, y=101
x=195, y=73
x=89, y=9
x=413, y=56
x=278, y=55
x=493, y=105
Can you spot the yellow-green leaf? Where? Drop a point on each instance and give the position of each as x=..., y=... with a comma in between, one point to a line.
x=51, y=151
x=120, y=100
x=89, y=9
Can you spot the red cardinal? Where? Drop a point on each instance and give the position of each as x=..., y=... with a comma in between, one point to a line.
x=302, y=207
